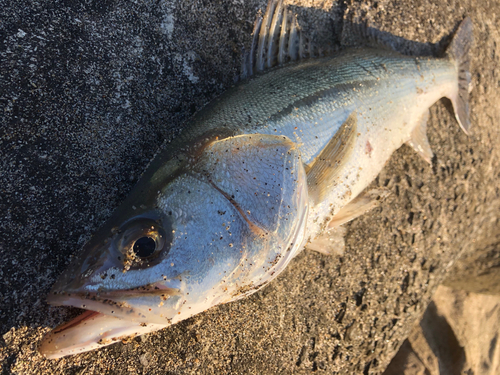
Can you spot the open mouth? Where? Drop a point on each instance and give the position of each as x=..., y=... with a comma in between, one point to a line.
x=110, y=317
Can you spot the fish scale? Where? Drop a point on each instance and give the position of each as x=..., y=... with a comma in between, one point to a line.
x=301, y=94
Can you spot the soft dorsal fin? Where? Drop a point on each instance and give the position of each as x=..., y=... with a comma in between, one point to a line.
x=325, y=168
x=357, y=32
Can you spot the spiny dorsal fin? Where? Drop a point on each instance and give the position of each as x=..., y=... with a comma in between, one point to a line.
x=419, y=141
x=325, y=168
x=277, y=39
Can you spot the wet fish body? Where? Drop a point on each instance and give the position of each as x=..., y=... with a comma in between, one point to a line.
x=254, y=177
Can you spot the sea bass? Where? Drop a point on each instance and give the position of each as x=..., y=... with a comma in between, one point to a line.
x=274, y=165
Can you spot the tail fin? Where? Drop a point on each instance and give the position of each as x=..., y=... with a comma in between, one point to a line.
x=458, y=50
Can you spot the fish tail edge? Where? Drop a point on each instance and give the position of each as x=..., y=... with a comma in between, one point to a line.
x=459, y=52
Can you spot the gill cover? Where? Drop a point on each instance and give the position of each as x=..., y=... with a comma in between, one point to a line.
x=247, y=215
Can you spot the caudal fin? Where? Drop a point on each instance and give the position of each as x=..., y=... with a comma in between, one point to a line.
x=458, y=50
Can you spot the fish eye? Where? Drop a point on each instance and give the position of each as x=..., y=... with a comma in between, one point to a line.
x=143, y=241
x=144, y=247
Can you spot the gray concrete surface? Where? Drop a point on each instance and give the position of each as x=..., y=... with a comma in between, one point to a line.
x=88, y=92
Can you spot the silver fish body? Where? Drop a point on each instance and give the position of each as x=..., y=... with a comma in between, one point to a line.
x=223, y=209
x=308, y=103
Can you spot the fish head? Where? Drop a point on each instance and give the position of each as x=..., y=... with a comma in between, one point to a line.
x=219, y=229
x=117, y=271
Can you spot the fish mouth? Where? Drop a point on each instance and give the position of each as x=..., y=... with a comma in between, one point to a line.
x=110, y=317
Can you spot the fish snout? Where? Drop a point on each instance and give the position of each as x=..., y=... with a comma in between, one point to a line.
x=94, y=259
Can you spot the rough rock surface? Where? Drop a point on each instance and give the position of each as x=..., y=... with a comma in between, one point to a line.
x=458, y=334
x=477, y=271
x=88, y=92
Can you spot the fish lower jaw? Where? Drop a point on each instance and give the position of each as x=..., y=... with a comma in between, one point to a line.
x=91, y=330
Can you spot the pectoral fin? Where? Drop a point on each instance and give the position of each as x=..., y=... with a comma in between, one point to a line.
x=358, y=206
x=325, y=168
x=419, y=141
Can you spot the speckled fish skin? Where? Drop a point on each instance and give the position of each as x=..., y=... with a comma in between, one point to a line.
x=227, y=203
x=309, y=102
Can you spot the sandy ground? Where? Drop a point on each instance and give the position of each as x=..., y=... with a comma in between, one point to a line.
x=88, y=92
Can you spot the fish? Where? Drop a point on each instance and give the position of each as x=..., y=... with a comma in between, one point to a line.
x=276, y=164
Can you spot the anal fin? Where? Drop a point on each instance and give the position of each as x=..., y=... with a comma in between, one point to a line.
x=363, y=203
x=325, y=168
x=419, y=141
